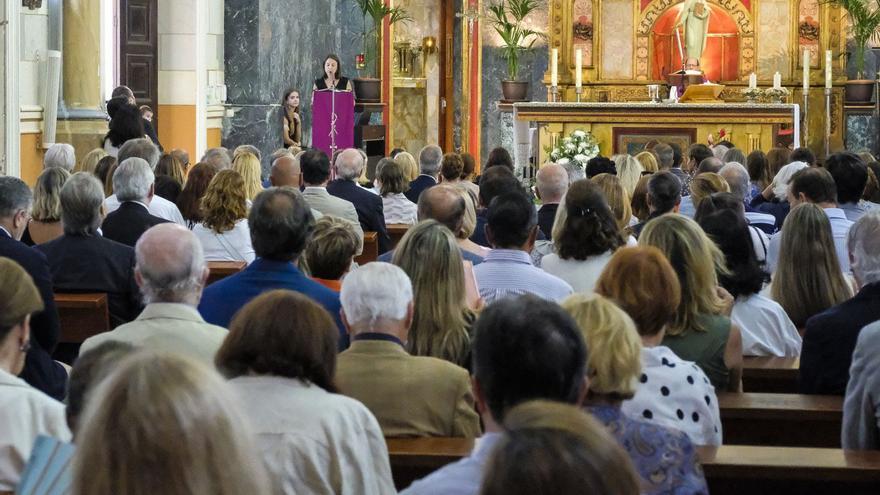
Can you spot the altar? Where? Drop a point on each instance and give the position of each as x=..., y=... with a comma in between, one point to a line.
x=625, y=127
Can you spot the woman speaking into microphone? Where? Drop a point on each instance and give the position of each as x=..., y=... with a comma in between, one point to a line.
x=332, y=78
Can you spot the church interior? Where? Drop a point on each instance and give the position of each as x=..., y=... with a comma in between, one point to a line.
x=666, y=162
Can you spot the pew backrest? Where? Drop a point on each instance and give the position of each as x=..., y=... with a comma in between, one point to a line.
x=790, y=420
x=770, y=374
x=371, y=249
x=222, y=269
x=396, y=232
x=82, y=316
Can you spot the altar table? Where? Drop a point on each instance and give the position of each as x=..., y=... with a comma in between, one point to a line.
x=626, y=127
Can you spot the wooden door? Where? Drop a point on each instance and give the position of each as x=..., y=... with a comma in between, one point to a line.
x=447, y=84
x=139, y=51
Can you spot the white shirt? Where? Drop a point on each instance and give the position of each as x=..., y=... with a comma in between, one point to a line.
x=676, y=393
x=232, y=245
x=25, y=412
x=158, y=206
x=313, y=441
x=582, y=275
x=399, y=209
x=766, y=328
x=839, y=230
x=760, y=242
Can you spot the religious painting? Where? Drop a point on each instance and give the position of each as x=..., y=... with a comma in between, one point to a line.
x=582, y=31
x=632, y=140
x=808, y=32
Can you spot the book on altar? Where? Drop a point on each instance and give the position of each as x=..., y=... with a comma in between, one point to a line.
x=702, y=93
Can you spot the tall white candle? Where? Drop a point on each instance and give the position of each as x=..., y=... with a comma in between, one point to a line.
x=828, y=69
x=806, y=70
x=777, y=80
x=578, y=66
x=753, y=81
x=554, y=74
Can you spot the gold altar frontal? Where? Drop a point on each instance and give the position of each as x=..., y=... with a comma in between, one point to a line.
x=627, y=127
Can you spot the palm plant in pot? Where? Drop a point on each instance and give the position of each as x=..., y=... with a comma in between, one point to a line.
x=507, y=19
x=864, y=25
x=368, y=87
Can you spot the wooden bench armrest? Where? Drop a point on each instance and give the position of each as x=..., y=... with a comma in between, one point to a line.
x=90, y=300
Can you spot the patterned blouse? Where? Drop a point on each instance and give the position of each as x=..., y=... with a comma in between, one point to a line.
x=665, y=458
x=399, y=209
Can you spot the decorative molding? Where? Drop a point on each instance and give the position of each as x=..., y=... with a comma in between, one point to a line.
x=12, y=153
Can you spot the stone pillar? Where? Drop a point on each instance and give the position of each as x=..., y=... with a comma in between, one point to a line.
x=81, y=49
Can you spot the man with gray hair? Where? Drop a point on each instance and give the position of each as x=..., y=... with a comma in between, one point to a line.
x=82, y=260
x=551, y=185
x=410, y=396
x=830, y=336
x=430, y=159
x=737, y=178
x=171, y=272
x=370, y=209
x=40, y=371
x=134, y=188
x=145, y=149
x=60, y=155
x=218, y=157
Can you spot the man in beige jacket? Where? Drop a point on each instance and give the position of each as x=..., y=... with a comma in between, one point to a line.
x=171, y=273
x=409, y=395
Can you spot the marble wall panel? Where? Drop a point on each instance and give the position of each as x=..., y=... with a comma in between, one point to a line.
x=426, y=22
x=410, y=119
x=774, y=38
x=617, y=47
x=34, y=31
x=863, y=133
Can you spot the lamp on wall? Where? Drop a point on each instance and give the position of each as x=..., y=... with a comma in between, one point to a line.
x=429, y=44
x=32, y=4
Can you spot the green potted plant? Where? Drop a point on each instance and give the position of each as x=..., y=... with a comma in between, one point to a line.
x=864, y=26
x=506, y=17
x=368, y=87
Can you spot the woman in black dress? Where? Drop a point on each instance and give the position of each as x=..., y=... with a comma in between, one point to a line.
x=333, y=78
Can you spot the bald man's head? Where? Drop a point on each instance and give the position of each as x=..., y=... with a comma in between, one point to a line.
x=349, y=164
x=552, y=183
x=170, y=265
x=444, y=204
x=285, y=172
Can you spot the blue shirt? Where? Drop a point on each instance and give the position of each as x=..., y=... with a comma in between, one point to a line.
x=475, y=259
x=687, y=208
x=459, y=478
x=664, y=458
x=222, y=299
x=509, y=272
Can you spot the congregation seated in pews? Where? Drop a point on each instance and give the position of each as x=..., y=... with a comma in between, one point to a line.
x=683, y=321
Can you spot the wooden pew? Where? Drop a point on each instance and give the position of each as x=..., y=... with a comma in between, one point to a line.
x=223, y=269
x=735, y=469
x=789, y=420
x=82, y=315
x=396, y=231
x=371, y=249
x=770, y=374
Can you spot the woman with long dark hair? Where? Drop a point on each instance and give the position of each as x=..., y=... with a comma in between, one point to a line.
x=126, y=124
x=291, y=119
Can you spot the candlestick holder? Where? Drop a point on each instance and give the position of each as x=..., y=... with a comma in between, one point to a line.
x=805, y=126
x=827, y=140
x=554, y=94
x=578, y=91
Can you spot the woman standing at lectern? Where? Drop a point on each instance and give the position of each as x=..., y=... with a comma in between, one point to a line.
x=333, y=78
x=290, y=117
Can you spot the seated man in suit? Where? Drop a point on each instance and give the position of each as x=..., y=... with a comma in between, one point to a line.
x=494, y=182
x=409, y=395
x=831, y=335
x=82, y=260
x=281, y=224
x=430, y=159
x=40, y=370
x=349, y=166
x=315, y=167
x=171, y=273
x=551, y=185
x=861, y=407
x=133, y=187
x=444, y=204
x=159, y=206
x=285, y=172
x=524, y=349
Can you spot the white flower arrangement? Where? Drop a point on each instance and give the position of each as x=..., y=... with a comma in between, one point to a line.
x=578, y=148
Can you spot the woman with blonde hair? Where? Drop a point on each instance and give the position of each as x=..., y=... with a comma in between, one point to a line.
x=808, y=279
x=224, y=231
x=409, y=164
x=90, y=162
x=550, y=447
x=442, y=321
x=648, y=161
x=170, y=166
x=665, y=458
x=45, y=224
x=150, y=403
x=585, y=236
x=702, y=331
x=642, y=282
x=392, y=183
x=248, y=166
x=628, y=171
x=468, y=225
x=103, y=170
x=705, y=185
x=618, y=199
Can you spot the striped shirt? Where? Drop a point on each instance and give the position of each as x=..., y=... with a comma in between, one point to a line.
x=399, y=209
x=509, y=272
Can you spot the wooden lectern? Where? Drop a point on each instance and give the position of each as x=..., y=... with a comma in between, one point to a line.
x=681, y=79
x=702, y=93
